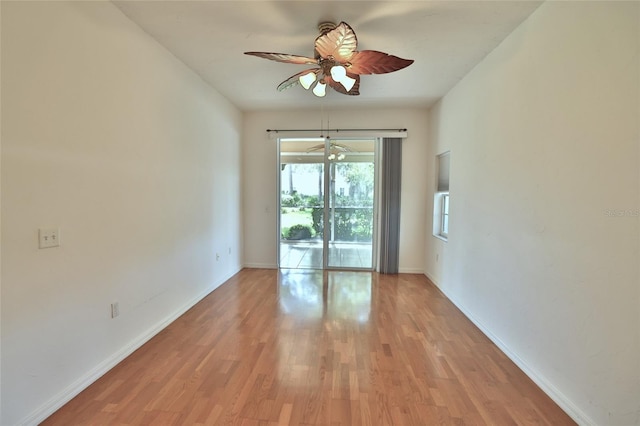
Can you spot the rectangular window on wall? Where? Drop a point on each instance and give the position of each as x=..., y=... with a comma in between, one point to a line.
x=441, y=197
x=444, y=227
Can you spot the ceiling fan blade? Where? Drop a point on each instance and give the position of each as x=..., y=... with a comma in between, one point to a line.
x=316, y=148
x=284, y=57
x=340, y=43
x=338, y=87
x=294, y=79
x=374, y=62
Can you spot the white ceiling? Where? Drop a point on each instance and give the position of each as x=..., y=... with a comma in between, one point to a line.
x=445, y=38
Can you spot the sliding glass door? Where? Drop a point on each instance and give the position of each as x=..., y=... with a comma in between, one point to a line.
x=327, y=182
x=302, y=201
x=351, y=201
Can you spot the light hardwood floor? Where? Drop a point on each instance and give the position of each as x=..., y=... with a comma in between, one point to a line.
x=316, y=348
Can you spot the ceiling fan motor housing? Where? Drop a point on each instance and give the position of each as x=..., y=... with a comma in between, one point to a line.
x=326, y=26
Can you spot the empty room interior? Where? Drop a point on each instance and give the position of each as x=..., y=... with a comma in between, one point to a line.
x=385, y=213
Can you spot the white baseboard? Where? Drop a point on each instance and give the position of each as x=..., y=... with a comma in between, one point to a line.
x=71, y=391
x=433, y=280
x=411, y=271
x=543, y=383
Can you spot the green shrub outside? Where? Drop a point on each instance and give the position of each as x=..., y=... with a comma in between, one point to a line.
x=298, y=232
x=351, y=224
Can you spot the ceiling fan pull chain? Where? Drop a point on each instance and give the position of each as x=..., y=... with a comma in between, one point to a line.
x=321, y=119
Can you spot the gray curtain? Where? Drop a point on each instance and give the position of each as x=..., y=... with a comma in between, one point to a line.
x=390, y=205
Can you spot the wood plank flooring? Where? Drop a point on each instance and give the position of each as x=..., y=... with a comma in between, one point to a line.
x=316, y=348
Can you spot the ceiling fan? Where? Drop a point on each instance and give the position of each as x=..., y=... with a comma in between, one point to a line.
x=339, y=64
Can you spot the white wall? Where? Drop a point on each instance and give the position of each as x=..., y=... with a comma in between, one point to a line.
x=113, y=140
x=259, y=156
x=543, y=247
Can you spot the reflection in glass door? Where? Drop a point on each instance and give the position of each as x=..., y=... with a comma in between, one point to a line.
x=351, y=196
x=302, y=165
x=326, y=181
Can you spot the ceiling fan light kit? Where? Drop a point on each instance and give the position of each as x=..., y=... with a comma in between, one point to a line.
x=320, y=89
x=307, y=80
x=337, y=151
x=339, y=64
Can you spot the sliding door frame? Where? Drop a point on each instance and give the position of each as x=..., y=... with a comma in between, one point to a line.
x=329, y=171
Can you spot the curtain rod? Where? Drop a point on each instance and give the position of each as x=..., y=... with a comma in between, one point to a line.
x=335, y=130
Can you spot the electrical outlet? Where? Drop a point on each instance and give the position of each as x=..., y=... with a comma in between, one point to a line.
x=115, y=309
x=217, y=256
x=48, y=238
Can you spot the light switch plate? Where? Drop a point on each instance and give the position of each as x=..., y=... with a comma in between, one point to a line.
x=49, y=238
